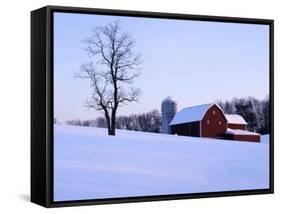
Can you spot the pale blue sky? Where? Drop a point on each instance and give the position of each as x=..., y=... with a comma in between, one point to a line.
x=195, y=62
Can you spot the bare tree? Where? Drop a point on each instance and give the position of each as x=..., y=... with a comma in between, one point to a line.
x=112, y=70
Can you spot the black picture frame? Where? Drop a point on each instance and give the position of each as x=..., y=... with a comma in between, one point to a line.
x=42, y=105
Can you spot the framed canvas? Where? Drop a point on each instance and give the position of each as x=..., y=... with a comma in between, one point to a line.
x=131, y=106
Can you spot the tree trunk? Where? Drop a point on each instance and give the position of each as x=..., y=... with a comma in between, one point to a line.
x=112, y=132
x=107, y=118
x=113, y=123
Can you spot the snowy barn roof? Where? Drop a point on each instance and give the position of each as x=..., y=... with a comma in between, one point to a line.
x=235, y=119
x=191, y=114
x=239, y=132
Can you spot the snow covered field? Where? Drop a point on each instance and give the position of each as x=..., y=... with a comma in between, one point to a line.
x=88, y=164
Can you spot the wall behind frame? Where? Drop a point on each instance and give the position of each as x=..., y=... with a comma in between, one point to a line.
x=15, y=105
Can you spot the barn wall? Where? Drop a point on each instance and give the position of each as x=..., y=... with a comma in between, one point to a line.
x=217, y=123
x=251, y=138
x=187, y=129
x=236, y=126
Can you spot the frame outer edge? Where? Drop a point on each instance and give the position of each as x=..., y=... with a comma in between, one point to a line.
x=49, y=108
x=49, y=119
x=271, y=70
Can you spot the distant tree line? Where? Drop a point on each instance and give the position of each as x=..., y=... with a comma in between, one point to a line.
x=255, y=112
x=146, y=122
x=79, y=122
x=56, y=121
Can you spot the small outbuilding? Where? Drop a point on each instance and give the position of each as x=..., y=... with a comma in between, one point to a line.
x=235, y=121
x=242, y=135
x=209, y=120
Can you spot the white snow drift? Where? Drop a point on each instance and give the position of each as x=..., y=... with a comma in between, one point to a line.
x=88, y=164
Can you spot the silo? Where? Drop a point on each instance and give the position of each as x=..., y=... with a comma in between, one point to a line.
x=168, y=110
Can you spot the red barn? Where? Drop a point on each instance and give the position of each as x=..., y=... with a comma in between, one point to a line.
x=209, y=120
x=200, y=121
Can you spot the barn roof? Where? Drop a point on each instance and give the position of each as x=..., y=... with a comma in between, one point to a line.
x=235, y=119
x=191, y=114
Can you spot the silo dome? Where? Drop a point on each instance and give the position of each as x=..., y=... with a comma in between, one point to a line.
x=168, y=110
